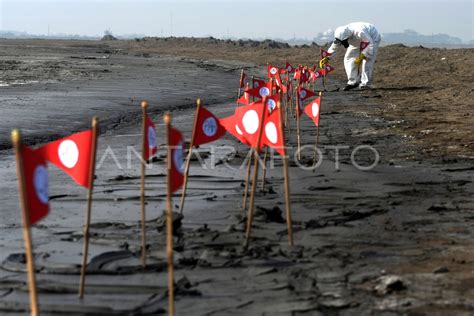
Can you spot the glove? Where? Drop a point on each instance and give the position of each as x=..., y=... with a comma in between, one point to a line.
x=359, y=59
x=323, y=62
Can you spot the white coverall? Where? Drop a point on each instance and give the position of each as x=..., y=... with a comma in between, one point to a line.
x=357, y=33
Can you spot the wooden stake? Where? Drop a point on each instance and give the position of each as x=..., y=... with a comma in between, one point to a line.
x=253, y=83
x=255, y=176
x=298, y=132
x=169, y=221
x=144, y=106
x=292, y=101
x=264, y=169
x=317, y=133
x=287, y=184
x=25, y=219
x=287, y=114
x=89, y=206
x=247, y=179
x=241, y=77
x=188, y=158
x=324, y=72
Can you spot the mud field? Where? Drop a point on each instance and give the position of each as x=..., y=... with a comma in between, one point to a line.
x=395, y=239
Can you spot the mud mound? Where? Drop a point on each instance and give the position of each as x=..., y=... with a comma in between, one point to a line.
x=177, y=41
x=108, y=37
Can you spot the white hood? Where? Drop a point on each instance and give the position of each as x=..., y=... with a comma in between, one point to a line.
x=343, y=32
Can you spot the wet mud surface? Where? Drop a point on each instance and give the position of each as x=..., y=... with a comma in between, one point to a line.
x=395, y=239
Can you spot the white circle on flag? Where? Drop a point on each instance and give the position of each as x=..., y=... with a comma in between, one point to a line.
x=178, y=157
x=250, y=121
x=273, y=70
x=239, y=131
x=290, y=69
x=271, y=104
x=302, y=94
x=264, y=91
x=40, y=183
x=151, y=137
x=209, y=127
x=271, y=132
x=315, y=109
x=317, y=74
x=328, y=68
x=68, y=153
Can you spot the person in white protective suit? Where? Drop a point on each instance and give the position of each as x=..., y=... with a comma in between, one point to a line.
x=362, y=43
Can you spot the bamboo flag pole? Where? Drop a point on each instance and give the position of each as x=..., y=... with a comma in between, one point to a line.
x=324, y=72
x=253, y=86
x=247, y=179
x=25, y=218
x=249, y=165
x=188, y=158
x=144, y=106
x=298, y=131
x=264, y=168
x=292, y=102
x=169, y=221
x=287, y=114
x=286, y=98
x=240, y=82
x=317, y=133
x=255, y=177
x=287, y=183
x=85, y=250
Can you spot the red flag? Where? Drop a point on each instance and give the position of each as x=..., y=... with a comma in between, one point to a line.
x=314, y=75
x=230, y=124
x=36, y=182
x=363, y=45
x=258, y=83
x=303, y=93
x=261, y=91
x=245, y=98
x=297, y=74
x=272, y=71
x=272, y=101
x=289, y=68
x=327, y=69
x=248, y=121
x=150, y=139
x=304, y=75
x=325, y=54
x=71, y=154
x=272, y=135
x=279, y=84
x=176, y=143
x=208, y=128
x=313, y=110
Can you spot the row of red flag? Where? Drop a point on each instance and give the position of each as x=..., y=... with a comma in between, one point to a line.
x=72, y=153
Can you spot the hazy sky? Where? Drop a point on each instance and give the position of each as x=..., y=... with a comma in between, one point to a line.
x=254, y=19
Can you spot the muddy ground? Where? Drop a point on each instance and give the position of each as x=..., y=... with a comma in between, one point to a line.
x=395, y=239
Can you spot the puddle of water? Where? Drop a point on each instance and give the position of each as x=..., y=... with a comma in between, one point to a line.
x=17, y=83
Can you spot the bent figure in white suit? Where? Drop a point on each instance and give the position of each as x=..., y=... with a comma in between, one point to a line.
x=362, y=41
